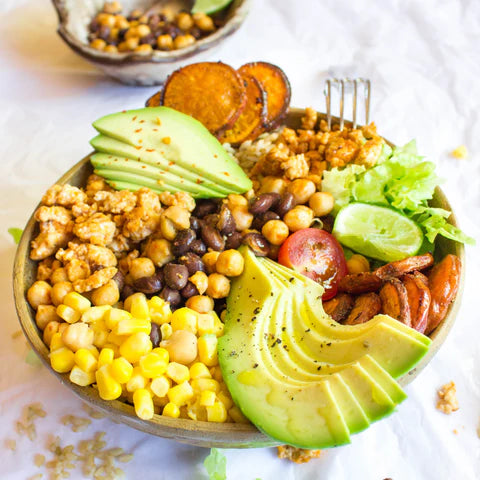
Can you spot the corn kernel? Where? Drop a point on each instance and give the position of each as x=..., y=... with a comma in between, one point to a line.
x=86, y=360
x=205, y=323
x=108, y=387
x=121, y=370
x=127, y=304
x=116, y=339
x=217, y=413
x=159, y=310
x=106, y=357
x=68, y=313
x=139, y=306
x=62, y=360
x=79, y=377
x=136, y=346
x=177, y=372
x=201, y=384
x=137, y=380
x=100, y=338
x=207, y=350
x=163, y=352
x=217, y=373
x=225, y=399
x=128, y=326
x=184, y=319
x=95, y=314
x=160, y=385
x=237, y=415
x=153, y=365
x=143, y=404
x=199, y=370
x=56, y=342
x=218, y=325
x=180, y=394
x=166, y=331
x=171, y=410
x=77, y=302
x=114, y=316
x=207, y=398
x=196, y=412
x=94, y=350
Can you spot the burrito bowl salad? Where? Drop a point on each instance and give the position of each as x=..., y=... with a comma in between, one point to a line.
x=286, y=278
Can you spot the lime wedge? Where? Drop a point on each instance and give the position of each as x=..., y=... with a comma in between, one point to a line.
x=209, y=6
x=377, y=232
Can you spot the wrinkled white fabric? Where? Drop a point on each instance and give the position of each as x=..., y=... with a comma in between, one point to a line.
x=424, y=62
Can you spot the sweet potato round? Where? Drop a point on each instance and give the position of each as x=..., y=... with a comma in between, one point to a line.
x=155, y=100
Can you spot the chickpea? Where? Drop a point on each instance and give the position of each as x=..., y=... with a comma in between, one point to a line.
x=218, y=286
x=121, y=22
x=59, y=275
x=243, y=218
x=358, y=264
x=165, y=42
x=183, y=41
x=200, y=303
x=321, y=203
x=181, y=346
x=141, y=267
x=127, y=304
x=179, y=216
x=210, y=260
x=159, y=251
x=298, y=218
x=144, y=49
x=39, y=294
x=275, y=231
x=131, y=33
x=110, y=49
x=98, y=44
x=143, y=19
x=167, y=228
x=107, y=294
x=106, y=20
x=49, y=331
x=200, y=280
x=203, y=22
x=129, y=45
x=78, y=335
x=235, y=200
x=184, y=21
x=231, y=263
x=59, y=290
x=137, y=13
x=143, y=30
x=273, y=185
x=112, y=7
x=302, y=190
x=46, y=314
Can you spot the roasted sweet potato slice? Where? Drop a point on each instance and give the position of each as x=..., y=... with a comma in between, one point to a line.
x=155, y=100
x=401, y=267
x=339, y=306
x=360, y=283
x=394, y=299
x=251, y=121
x=418, y=299
x=213, y=93
x=443, y=281
x=276, y=84
x=365, y=308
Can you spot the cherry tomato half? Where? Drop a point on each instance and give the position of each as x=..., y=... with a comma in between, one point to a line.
x=316, y=254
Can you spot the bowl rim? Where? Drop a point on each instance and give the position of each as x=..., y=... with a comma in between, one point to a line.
x=205, y=434
x=156, y=56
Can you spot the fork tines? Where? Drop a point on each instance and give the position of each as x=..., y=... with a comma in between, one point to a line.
x=361, y=86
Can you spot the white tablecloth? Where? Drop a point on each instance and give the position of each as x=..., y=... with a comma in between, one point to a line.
x=424, y=61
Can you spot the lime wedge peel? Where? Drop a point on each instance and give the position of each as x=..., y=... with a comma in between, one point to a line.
x=209, y=7
x=377, y=232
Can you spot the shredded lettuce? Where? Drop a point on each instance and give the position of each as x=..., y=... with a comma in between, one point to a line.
x=401, y=179
x=16, y=233
x=216, y=465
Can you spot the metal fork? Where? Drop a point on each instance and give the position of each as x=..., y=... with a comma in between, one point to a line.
x=341, y=83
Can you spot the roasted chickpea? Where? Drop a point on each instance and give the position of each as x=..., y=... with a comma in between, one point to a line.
x=121, y=22
x=141, y=267
x=275, y=231
x=129, y=45
x=204, y=22
x=298, y=218
x=49, y=331
x=230, y=263
x=210, y=260
x=183, y=41
x=243, y=218
x=144, y=49
x=105, y=19
x=78, y=335
x=200, y=280
x=112, y=7
x=184, y=21
x=59, y=275
x=46, y=314
x=59, y=290
x=179, y=216
x=200, y=303
x=167, y=228
x=107, y=294
x=302, y=190
x=218, y=286
x=159, y=251
x=358, y=264
x=98, y=44
x=321, y=203
x=143, y=30
x=273, y=185
x=110, y=49
x=39, y=294
x=235, y=200
x=143, y=19
x=165, y=42
x=181, y=346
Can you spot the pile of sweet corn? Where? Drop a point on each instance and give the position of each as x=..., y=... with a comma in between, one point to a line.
x=110, y=348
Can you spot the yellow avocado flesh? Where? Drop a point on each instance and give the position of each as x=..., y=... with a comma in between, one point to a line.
x=278, y=384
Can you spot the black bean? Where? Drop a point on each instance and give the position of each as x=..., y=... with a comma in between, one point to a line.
x=211, y=220
x=119, y=279
x=233, y=241
x=212, y=238
x=182, y=241
x=195, y=223
x=193, y=263
x=104, y=32
x=171, y=296
x=127, y=290
x=189, y=290
x=198, y=247
x=328, y=222
x=220, y=305
x=263, y=218
x=264, y=202
x=204, y=207
x=196, y=33
x=173, y=31
x=94, y=25
x=148, y=285
x=122, y=32
x=258, y=243
x=149, y=39
x=155, y=335
x=286, y=203
x=154, y=20
x=175, y=275
x=226, y=223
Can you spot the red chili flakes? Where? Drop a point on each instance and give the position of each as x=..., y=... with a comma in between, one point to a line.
x=124, y=111
x=134, y=118
x=150, y=150
x=171, y=163
x=155, y=129
x=198, y=181
x=158, y=121
x=166, y=140
x=138, y=147
x=226, y=173
x=144, y=166
x=138, y=130
x=215, y=155
x=142, y=121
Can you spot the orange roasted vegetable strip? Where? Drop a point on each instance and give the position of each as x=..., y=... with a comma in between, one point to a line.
x=419, y=299
x=339, y=307
x=394, y=299
x=155, y=100
x=360, y=283
x=366, y=307
x=401, y=267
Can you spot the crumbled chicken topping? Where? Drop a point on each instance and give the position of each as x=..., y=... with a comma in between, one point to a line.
x=447, y=398
x=297, y=455
x=64, y=195
x=97, y=229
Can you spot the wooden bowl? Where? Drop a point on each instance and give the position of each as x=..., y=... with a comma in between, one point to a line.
x=133, y=68
x=188, y=431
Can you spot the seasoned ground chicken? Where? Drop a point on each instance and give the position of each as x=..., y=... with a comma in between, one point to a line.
x=94, y=255
x=447, y=398
x=123, y=201
x=97, y=229
x=65, y=195
x=96, y=280
x=297, y=455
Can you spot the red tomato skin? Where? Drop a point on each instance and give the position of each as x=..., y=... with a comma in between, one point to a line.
x=301, y=252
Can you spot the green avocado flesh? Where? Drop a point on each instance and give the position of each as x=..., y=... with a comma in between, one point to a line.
x=299, y=376
x=167, y=149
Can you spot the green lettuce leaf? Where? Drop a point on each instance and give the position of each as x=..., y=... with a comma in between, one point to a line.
x=16, y=233
x=340, y=183
x=216, y=465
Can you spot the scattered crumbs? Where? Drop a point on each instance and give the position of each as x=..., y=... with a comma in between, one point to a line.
x=166, y=140
x=455, y=431
x=447, y=398
x=226, y=174
x=461, y=152
x=134, y=118
x=297, y=455
x=16, y=334
x=39, y=460
x=138, y=130
x=142, y=121
x=11, y=444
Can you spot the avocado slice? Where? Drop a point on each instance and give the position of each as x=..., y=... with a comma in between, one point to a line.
x=102, y=143
x=182, y=139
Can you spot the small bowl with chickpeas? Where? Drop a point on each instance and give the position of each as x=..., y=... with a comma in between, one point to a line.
x=139, y=42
